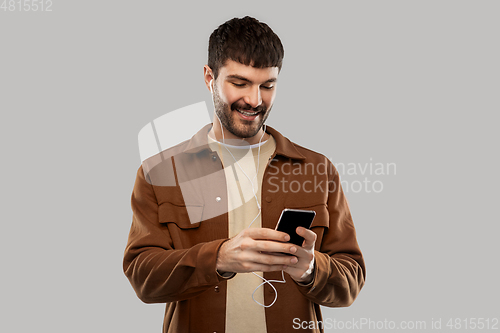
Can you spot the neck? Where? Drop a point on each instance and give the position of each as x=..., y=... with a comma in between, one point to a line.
x=230, y=138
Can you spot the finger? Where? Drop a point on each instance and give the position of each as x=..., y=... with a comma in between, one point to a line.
x=269, y=259
x=303, y=263
x=266, y=234
x=271, y=246
x=303, y=254
x=309, y=237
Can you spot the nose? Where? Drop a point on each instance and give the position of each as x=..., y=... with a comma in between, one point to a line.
x=253, y=97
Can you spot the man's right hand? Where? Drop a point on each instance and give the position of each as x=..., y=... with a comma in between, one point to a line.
x=251, y=251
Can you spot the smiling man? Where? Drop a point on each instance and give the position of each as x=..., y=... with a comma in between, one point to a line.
x=207, y=246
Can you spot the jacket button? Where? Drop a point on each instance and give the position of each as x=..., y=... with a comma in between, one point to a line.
x=268, y=199
x=218, y=199
x=216, y=289
x=214, y=158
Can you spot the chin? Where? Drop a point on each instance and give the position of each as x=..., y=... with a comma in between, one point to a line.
x=249, y=132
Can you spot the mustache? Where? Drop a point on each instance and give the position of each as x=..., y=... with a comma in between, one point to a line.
x=247, y=107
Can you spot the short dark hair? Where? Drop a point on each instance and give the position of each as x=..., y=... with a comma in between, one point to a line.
x=246, y=41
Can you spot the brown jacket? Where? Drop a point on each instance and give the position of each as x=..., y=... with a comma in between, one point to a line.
x=180, y=220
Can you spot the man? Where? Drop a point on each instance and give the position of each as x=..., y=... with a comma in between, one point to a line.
x=203, y=236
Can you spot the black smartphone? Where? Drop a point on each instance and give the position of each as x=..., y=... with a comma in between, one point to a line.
x=290, y=219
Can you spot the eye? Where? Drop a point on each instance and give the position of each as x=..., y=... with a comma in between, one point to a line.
x=238, y=84
x=268, y=87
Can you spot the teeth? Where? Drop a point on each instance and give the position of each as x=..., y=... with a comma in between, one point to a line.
x=246, y=113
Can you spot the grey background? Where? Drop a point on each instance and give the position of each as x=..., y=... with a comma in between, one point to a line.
x=408, y=82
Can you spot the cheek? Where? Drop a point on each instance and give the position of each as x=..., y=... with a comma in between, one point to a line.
x=268, y=98
x=228, y=95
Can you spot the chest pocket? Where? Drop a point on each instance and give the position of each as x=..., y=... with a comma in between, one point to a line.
x=322, y=219
x=182, y=224
x=184, y=217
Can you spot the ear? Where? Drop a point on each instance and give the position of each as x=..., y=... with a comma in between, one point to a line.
x=208, y=76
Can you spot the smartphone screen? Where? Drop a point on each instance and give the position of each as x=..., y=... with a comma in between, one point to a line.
x=290, y=219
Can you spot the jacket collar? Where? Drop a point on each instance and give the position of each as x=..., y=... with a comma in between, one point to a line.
x=284, y=147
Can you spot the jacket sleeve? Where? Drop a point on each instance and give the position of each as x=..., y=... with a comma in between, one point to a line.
x=339, y=272
x=158, y=272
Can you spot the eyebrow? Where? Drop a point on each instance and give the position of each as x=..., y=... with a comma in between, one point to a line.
x=242, y=78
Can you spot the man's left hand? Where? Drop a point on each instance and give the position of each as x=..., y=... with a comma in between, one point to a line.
x=303, y=270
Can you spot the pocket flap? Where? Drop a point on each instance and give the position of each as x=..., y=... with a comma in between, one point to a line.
x=185, y=217
x=322, y=218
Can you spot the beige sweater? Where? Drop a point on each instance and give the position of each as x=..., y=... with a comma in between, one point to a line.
x=242, y=313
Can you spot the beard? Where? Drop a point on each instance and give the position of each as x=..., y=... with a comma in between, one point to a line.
x=240, y=127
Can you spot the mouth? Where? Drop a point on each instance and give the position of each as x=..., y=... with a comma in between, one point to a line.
x=247, y=115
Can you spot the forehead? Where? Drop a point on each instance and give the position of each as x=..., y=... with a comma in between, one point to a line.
x=257, y=75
